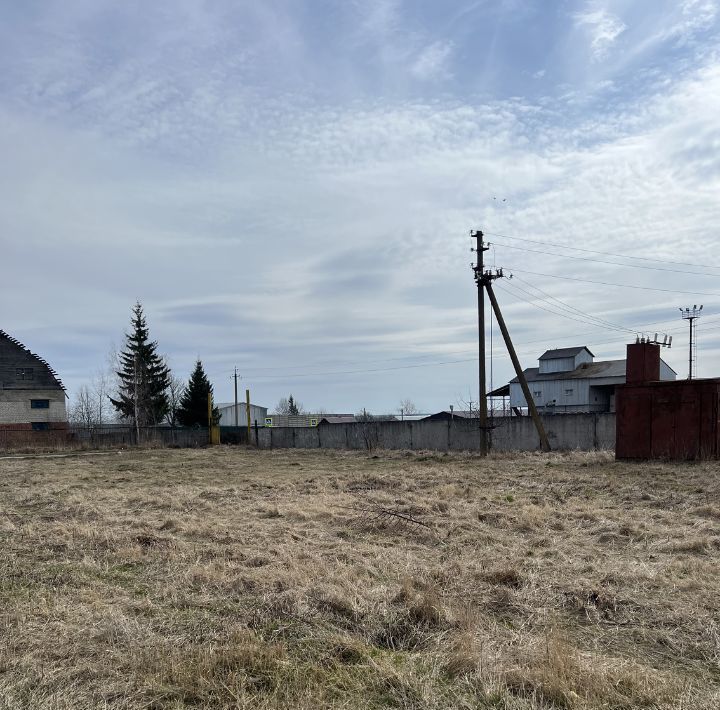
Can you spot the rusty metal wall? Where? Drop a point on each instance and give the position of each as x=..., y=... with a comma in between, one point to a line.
x=668, y=420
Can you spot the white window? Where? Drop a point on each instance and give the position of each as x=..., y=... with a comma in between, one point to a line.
x=568, y=391
x=537, y=393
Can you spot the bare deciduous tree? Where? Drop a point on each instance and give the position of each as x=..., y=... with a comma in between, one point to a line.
x=407, y=406
x=84, y=409
x=369, y=429
x=174, y=395
x=289, y=406
x=91, y=407
x=101, y=388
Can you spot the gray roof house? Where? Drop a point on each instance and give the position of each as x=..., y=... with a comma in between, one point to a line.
x=569, y=380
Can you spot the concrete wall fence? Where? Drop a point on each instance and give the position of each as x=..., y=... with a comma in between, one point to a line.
x=565, y=431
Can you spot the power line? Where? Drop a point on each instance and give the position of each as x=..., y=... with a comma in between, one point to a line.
x=462, y=361
x=615, y=326
x=604, y=261
x=353, y=372
x=513, y=290
x=526, y=350
x=603, y=253
x=586, y=317
x=607, y=283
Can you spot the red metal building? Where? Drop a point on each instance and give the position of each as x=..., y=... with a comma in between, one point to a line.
x=656, y=419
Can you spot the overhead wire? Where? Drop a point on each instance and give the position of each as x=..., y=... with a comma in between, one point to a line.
x=602, y=253
x=353, y=372
x=609, y=283
x=497, y=350
x=566, y=309
x=553, y=305
x=532, y=301
x=604, y=261
x=615, y=326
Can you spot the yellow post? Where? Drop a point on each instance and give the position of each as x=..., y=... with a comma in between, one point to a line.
x=247, y=411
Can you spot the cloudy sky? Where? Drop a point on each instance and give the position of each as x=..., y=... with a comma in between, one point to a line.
x=288, y=185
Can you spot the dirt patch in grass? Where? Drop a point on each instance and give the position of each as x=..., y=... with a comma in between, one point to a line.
x=231, y=578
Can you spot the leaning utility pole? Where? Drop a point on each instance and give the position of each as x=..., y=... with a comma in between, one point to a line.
x=544, y=443
x=691, y=315
x=484, y=281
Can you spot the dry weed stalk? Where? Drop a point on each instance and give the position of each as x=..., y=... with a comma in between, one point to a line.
x=392, y=518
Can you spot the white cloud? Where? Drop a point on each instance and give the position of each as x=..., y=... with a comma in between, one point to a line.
x=433, y=62
x=696, y=15
x=604, y=29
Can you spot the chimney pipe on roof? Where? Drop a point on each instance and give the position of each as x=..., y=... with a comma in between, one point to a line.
x=643, y=363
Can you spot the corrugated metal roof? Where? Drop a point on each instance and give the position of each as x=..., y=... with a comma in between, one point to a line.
x=503, y=391
x=588, y=370
x=563, y=352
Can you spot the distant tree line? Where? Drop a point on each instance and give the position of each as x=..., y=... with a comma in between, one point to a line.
x=141, y=389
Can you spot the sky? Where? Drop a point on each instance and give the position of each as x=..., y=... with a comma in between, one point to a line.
x=288, y=186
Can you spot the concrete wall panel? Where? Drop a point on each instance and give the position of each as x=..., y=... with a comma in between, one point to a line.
x=568, y=431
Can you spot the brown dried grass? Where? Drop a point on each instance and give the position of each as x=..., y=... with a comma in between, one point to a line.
x=232, y=578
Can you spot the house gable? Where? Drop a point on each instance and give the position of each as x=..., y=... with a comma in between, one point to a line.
x=21, y=369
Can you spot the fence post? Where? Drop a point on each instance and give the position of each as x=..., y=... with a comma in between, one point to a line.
x=596, y=443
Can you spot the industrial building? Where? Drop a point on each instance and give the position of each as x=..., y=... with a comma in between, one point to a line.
x=664, y=420
x=570, y=380
x=32, y=397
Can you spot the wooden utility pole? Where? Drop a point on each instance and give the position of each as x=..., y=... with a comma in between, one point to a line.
x=544, y=443
x=136, y=402
x=210, y=419
x=484, y=280
x=247, y=410
x=478, y=268
x=235, y=377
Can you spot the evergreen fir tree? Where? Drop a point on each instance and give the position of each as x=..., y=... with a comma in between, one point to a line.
x=193, y=410
x=143, y=376
x=293, y=408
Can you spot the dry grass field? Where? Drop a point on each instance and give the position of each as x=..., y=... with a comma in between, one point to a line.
x=232, y=578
